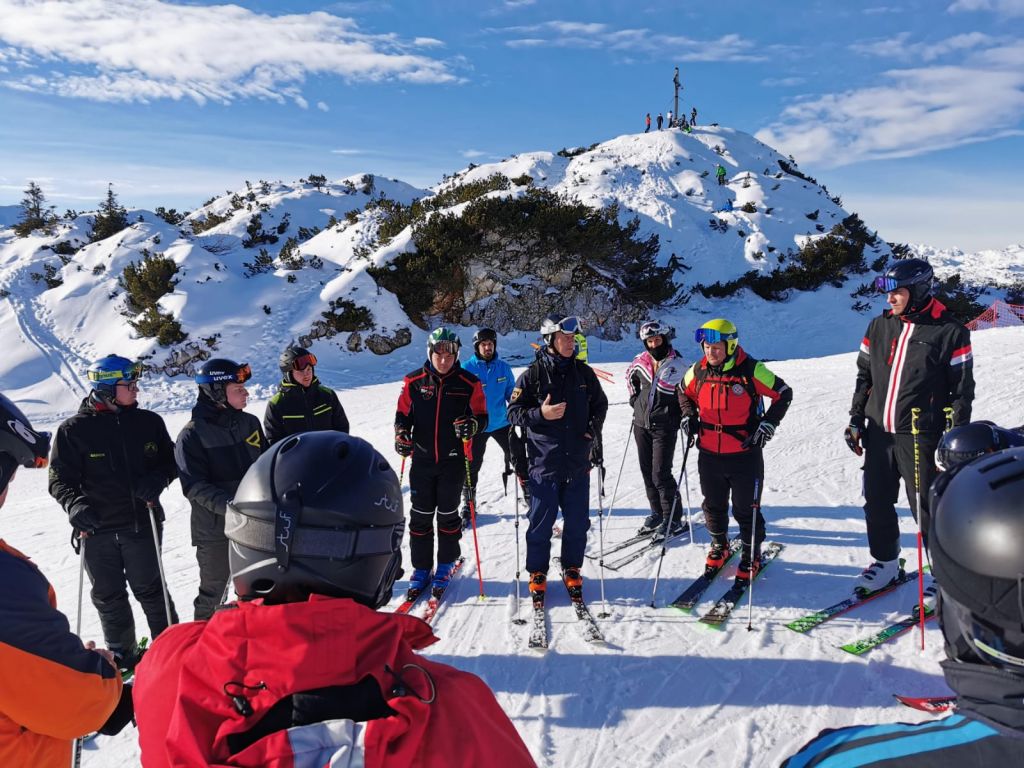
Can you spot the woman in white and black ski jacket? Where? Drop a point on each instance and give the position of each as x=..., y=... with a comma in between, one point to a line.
x=651, y=379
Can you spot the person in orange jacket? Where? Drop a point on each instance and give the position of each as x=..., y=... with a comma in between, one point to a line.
x=53, y=689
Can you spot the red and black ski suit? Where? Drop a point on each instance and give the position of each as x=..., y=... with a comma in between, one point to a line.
x=917, y=360
x=427, y=409
x=727, y=401
x=306, y=685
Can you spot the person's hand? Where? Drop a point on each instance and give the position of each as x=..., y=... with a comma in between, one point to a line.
x=689, y=427
x=83, y=518
x=854, y=434
x=466, y=427
x=123, y=713
x=148, y=489
x=596, y=451
x=403, y=442
x=105, y=653
x=551, y=412
x=759, y=437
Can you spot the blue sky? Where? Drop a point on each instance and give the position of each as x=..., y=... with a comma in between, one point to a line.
x=912, y=112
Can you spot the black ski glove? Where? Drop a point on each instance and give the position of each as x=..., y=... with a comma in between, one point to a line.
x=83, y=518
x=689, y=427
x=403, y=442
x=123, y=713
x=596, y=451
x=854, y=434
x=759, y=437
x=466, y=427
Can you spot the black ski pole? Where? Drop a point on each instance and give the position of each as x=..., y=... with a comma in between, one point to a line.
x=517, y=619
x=755, y=513
x=160, y=562
x=668, y=524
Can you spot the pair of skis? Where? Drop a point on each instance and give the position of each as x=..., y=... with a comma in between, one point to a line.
x=436, y=595
x=588, y=624
x=720, y=612
x=859, y=647
x=648, y=542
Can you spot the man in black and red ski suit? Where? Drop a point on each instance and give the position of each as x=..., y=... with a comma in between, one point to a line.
x=914, y=355
x=441, y=406
x=721, y=402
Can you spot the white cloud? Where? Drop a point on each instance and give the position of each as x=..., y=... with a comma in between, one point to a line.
x=913, y=112
x=880, y=9
x=143, y=50
x=348, y=152
x=1003, y=7
x=322, y=106
x=427, y=42
x=472, y=154
x=899, y=47
x=782, y=82
x=596, y=36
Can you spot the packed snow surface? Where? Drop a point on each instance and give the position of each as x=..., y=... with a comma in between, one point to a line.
x=667, y=690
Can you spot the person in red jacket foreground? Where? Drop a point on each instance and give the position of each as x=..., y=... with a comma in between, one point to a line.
x=302, y=670
x=720, y=398
x=52, y=687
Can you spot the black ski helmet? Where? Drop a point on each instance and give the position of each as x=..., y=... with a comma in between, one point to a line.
x=977, y=552
x=216, y=374
x=318, y=513
x=915, y=275
x=968, y=441
x=20, y=444
x=292, y=354
x=485, y=334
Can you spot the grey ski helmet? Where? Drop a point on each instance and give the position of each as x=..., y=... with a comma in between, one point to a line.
x=318, y=513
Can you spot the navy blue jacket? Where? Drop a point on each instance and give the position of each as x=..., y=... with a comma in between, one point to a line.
x=558, y=449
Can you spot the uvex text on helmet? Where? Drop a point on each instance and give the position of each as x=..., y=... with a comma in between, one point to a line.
x=318, y=513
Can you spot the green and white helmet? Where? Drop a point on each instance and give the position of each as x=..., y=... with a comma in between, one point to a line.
x=443, y=340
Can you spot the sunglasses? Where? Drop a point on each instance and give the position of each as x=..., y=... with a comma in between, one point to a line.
x=304, y=362
x=132, y=385
x=711, y=336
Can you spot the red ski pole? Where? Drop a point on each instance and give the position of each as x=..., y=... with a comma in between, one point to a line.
x=467, y=453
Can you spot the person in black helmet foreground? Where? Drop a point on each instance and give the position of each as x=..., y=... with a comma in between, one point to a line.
x=652, y=379
x=559, y=401
x=497, y=380
x=302, y=670
x=213, y=452
x=441, y=406
x=110, y=463
x=977, y=552
x=53, y=688
x=915, y=355
x=301, y=403
x=969, y=441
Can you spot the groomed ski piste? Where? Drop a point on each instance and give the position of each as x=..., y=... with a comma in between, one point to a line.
x=664, y=690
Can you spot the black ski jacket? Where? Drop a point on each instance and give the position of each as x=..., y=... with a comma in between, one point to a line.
x=213, y=452
x=559, y=448
x=652, y=390
x=919, y=360
x=429, y=405
x=294, y=409
x=100, y=458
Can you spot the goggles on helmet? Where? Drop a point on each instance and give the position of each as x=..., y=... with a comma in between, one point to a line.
x=652, y=329
x=445, y=348
x=885, y=284
x=239, y=376
x=130, y=373
x=711, y=336
x=569, y=324
x=303, y=362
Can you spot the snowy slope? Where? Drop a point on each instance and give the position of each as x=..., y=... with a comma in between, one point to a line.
x=667, y=692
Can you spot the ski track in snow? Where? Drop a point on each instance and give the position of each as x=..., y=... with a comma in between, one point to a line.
x=666, y=690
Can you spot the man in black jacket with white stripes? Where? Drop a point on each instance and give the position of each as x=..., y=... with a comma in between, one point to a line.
x=915, y=355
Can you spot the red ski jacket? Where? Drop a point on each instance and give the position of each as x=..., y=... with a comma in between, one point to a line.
x=206, y=691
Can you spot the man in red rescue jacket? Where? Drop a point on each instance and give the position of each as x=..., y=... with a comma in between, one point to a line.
x=721, y=402
x=302, y=670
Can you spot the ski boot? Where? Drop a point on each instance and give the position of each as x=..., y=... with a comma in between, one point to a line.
x=748, y=568
x=651, y=525
x=442, y=576
x=676, y=528
x=879, y=575
x=573, y=582
x=417, y=583
x=538, y=586
x=717, y=555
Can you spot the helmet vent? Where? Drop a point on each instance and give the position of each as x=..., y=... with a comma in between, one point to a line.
x=289, y=444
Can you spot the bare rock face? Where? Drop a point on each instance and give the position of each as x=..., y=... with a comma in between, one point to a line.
x=354, y=342
x=182, y=360
x=382, y=344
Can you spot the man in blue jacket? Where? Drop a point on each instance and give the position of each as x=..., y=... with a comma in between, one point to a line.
x=498, y=382
x=559, y=401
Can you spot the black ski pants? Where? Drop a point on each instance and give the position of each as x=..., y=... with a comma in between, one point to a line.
x=214, y=573
x=435, y=487
x=740, y=475
x=111, y=559
x=889, y=458
x=655, y=447
x=500, y=436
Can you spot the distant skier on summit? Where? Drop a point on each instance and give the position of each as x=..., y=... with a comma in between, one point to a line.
x=915, y=357
x=720, y=174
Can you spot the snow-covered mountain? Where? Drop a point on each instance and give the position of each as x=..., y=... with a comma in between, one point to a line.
x=273, y=262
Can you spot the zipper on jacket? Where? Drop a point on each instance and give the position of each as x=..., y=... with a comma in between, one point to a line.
x=128, y=471
x=437, y=422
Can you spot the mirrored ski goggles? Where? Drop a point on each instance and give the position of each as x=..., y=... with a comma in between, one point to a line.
x=304, y=362
x=650, y=330
x=569, y=324
x=711, y=336
x=239, y=376
x=129, y=374
x=445, y=348
x=884, y=284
